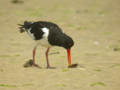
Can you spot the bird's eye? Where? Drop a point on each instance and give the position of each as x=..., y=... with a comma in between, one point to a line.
x=69, y=44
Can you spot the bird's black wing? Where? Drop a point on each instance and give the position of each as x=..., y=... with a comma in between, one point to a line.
x=36, y=30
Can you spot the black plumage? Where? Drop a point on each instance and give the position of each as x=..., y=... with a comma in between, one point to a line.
x=49, y=32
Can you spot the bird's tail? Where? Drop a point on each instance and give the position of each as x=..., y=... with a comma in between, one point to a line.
x=25, y=26
x=21, y=28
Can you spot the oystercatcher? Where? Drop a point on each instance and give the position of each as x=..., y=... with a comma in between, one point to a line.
x=47, y=34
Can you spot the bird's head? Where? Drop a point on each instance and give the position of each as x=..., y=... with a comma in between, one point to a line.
x=67, y=44
x=25, y=26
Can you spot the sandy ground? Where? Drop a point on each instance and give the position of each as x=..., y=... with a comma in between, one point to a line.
x=93, y=24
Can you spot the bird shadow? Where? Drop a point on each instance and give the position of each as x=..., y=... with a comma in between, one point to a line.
x=52, y=53
x=29, y=63
x=73, y=65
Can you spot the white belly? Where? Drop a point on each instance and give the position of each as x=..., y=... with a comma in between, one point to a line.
x=43, y=42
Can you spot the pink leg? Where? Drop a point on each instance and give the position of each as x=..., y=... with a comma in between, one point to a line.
x=48, y=65
x=33, y=63
x=34, y=52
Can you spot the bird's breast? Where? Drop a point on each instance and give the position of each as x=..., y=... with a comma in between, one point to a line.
x=43, y=42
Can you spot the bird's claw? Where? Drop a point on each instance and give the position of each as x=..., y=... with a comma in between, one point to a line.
x=36, y=65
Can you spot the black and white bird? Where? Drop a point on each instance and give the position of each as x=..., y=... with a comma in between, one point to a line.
x=47, y=34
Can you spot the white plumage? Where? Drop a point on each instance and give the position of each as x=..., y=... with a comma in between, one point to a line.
x=30, y=34
x=44, y=41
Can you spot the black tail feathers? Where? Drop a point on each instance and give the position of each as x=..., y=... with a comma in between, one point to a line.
x=27, y=23
x=21, y=28
x=25, y=26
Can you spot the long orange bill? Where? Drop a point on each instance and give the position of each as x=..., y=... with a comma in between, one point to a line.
x=69, y=57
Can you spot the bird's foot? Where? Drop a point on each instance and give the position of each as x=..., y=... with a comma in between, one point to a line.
x=35, y=65
x=31, y=64
x=73, y=66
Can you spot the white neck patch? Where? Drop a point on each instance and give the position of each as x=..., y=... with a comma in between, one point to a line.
x=30, y=34
x=46, y=32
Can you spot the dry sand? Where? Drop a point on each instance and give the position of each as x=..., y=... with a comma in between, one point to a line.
x=93, y=24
